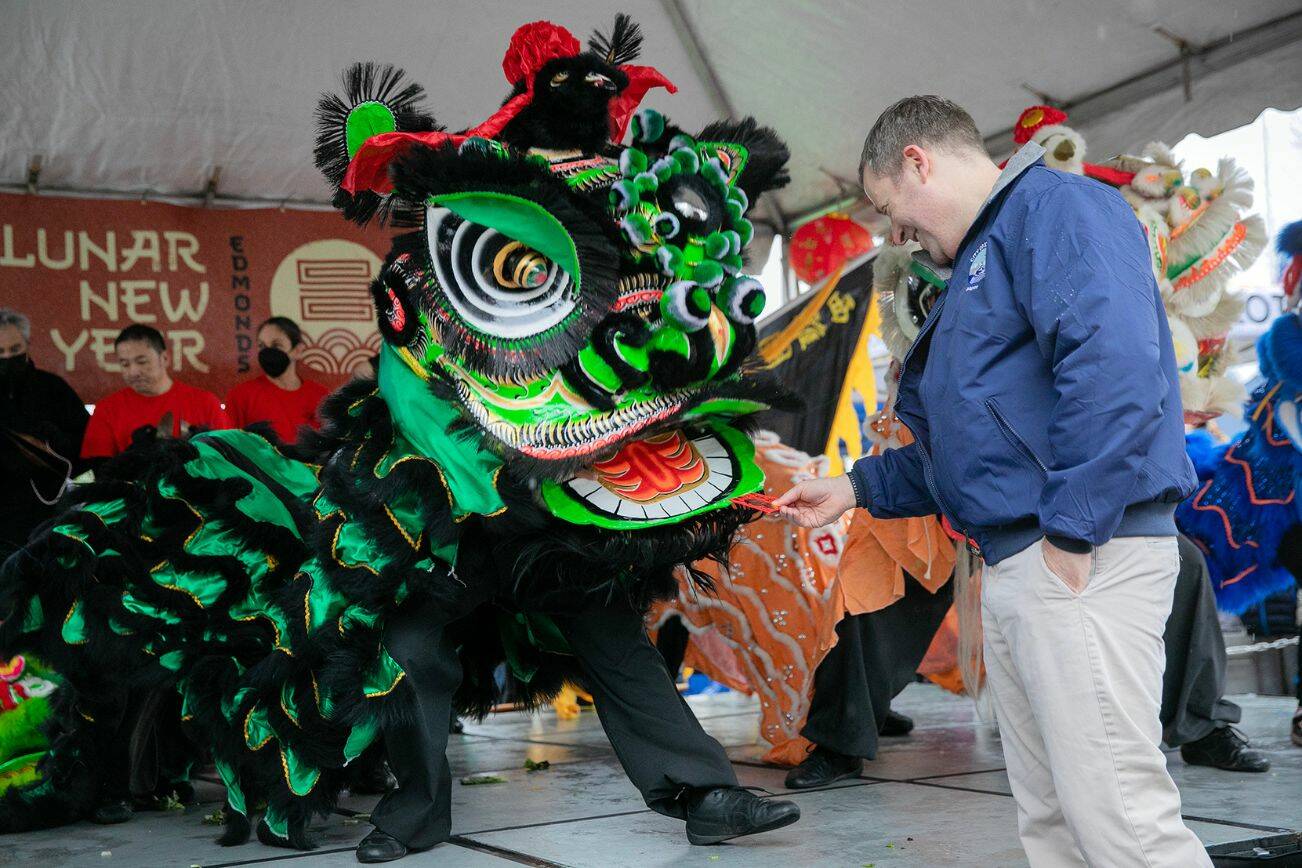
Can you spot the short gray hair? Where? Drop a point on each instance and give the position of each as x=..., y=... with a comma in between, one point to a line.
x=916, y=120
x=11, y=317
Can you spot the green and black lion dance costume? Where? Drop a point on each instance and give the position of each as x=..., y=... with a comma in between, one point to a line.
x=560, y=414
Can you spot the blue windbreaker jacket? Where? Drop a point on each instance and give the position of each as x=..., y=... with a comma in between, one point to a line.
x=1042, y=389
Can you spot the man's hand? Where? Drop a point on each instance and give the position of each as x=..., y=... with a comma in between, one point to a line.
x=1072, y=569
x=817, y=502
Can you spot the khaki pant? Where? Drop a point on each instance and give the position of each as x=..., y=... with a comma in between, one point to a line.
x=1076, y=682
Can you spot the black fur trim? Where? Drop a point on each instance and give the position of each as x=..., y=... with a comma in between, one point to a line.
x=766, y=164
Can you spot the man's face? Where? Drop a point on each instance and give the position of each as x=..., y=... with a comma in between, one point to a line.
x=914, y=202
x=143, y=367
x=12, y=342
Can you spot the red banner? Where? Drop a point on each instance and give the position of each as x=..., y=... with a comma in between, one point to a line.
x=84, y=269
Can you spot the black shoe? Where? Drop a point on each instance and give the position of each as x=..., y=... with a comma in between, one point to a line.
x=380, y=847
x=1225, y=749
x=821, y=768
x=894, y=725
x=1296, y=734
x=730, y=812
x=111, y=813
x=374, y=779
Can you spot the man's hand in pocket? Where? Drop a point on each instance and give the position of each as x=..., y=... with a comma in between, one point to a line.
x=1071, y=568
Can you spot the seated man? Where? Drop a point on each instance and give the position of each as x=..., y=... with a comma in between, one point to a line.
x=150, y=395
x=41, y=425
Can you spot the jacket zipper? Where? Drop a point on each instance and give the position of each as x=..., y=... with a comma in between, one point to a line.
x=928, y=474
x=1012, y=437
x=929, y=477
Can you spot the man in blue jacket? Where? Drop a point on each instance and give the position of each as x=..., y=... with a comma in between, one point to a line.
x=1042, y=393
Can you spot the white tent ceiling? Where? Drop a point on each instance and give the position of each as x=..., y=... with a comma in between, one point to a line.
x=136, y=96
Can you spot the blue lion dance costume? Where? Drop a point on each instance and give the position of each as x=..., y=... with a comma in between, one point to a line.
x=1246, y=516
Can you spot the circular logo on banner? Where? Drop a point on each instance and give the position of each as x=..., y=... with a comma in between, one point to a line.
x=324, y=286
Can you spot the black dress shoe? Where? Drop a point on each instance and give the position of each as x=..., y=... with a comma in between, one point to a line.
x=730, y=812
x=821, y=768
x=1225, y=749
x=380, y=847
x=894, y=725
x=111, y=813
x=373, y=779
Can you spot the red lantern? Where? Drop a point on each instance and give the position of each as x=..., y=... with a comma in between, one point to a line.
x=821, y=246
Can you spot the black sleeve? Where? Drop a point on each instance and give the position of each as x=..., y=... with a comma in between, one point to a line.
x=69, y=417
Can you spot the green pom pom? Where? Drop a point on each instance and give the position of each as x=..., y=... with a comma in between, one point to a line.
x=631, y=162
x=685, y=306
x=646, y=182
x=368, y=119
x=739, y=195
x=708, y=273
x=670, y=259
x=734, y=209
x=731, y=264
x=745, y=230
x=688, y=161
x=682, y=140
x=648, y=125
x=667, y=224
x=664, y=168
x=734, y=242
x=715, y=174
x=623, y=194
x=637, y=228
x=742, y=300
x=716, y=245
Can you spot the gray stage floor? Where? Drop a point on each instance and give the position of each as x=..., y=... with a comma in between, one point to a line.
x=939, y=797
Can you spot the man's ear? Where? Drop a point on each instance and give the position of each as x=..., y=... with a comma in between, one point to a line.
x=918, y=161
x=166, y=358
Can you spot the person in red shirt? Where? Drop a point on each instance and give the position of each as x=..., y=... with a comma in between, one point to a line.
x=280, y=396
x=150, y=395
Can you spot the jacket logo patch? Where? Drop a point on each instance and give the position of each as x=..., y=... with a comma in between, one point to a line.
x=976, y=270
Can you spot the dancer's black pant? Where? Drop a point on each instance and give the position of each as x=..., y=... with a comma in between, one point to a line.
x=1192, y=705
x=875, y=657
x=658, y=740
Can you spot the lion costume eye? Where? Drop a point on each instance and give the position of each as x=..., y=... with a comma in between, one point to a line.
x=513, y=269
x=560, y=78
x=496, y=284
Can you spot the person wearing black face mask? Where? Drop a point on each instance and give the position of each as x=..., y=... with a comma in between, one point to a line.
x=41, y=425
x=280, y=397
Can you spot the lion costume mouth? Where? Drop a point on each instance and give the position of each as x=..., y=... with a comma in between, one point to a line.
x=663, y=478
